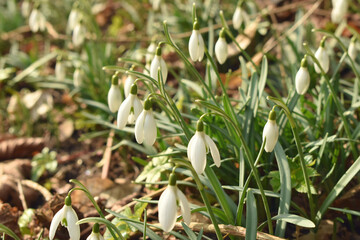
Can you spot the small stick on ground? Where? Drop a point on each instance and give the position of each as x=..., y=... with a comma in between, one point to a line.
x=107, y=155
x=21, y=195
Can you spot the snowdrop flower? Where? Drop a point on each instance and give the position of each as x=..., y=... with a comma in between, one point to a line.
x=339, y=10
x=60, y=70
x=352, y=51
x=130, y=109
x=271, y=132
x=221, y=48
x=68, y=218
x=302, y=79
x=78, y=77
x=323, y=58
x=239, y=16
x=196, y=44
x=79, y=33
x=145, y=125
x=158, y=62
x=37, y=20
x=197, y=148
x=155, y=4
x=74, y=17
x=168, y=203
x=150, y=52
x=95, y=234
x=114, y=94
x=128, y=83
x=25, y=8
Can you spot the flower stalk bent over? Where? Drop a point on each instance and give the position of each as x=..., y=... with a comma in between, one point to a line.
x=145, y=125
x=168, y=203
x=271, y=132
x=199, y=146
x=68, y=218
x=196, y=44
x=129, y=109
x=302, y=79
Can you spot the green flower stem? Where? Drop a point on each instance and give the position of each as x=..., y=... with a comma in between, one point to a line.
x=228, y=32
x=242, y=196
x=108, y=224
x=301, y=154
x=336, y=100
x=202, y=193
x=88, y=194
x=249, y=158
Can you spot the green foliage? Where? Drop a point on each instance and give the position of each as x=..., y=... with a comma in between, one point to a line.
x=41, y=162
x=25, y=219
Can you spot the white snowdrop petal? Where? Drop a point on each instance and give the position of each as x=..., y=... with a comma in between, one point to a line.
x=193, y=46
x=124, y=112
x=201, y=47
x=60, y=71
x=55, y=223
x=114, y=98
x=237, y=19
x=73, y=228
x=184, y=206
x=150, y=130
x=164, y=70
x=339, y=10
x=139, y=127
x=271, y=133
x=128, y=83
x=221, y=50
x=352, y=51
x=33, y=24
x=323, y=58
x=302, y=80
x=198, y=153
x=150, y=52
x=189, y=147
x=167, y=209
x=213, y=150
x=138, y=107
x=155, y=64
x=78, y=35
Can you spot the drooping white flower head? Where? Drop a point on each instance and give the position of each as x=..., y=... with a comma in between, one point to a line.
x=150, y=52
x=302, y=79
x=60, y=70
x=199, y=146
x=323, y=58
x=339, y=10
x=37, y=20
x=114, y=94
x=237, y=17
x=95, y=234
x=221, y=48
x=25, y=8
x=129, y=109
x=68, y=218
x=196, y=44
x=74, y=17
x=129, y=81
x=79, y=33
x=145, y=125
x=158, y=62
x=78, y=77
x=271, y=132
x=352, y=51
x=167, y=205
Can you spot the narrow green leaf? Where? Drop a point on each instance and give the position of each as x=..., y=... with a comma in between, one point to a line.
x=251, y=216
x=346, y=211
x=263, y=76
x=189, y=232
x=295, y=219
x=8, y=231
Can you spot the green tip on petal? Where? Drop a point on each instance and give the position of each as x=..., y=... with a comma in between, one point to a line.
x=196, y=25
x=68, y=201
x=172, y=179
x=147, y=104
x=272, y=115
x=304, y=62
x=222, y=33
x=322, y=43
x=114, y=80
x=158, y=50
x=96, y=228
x=200, y=126
x=133, y=89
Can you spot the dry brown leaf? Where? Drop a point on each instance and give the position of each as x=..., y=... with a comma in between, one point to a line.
x=20, y=148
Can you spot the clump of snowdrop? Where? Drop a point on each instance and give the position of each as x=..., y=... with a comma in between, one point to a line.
x=145, y=125
x=158, y=62
x=37, y=20
x=196, y=44
x=339, y=10
x=302, y=79
x=79, y=33
x=60, y=69
x=168, y=205
x=114, y=94
x=239, y=16
x=323, y=58
x=352, y=51
x=221, y=48
x=74, y=17
x=129, y=109
x=199, y=146
x=271, y=132
x=68, y=218
x=95, y=234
